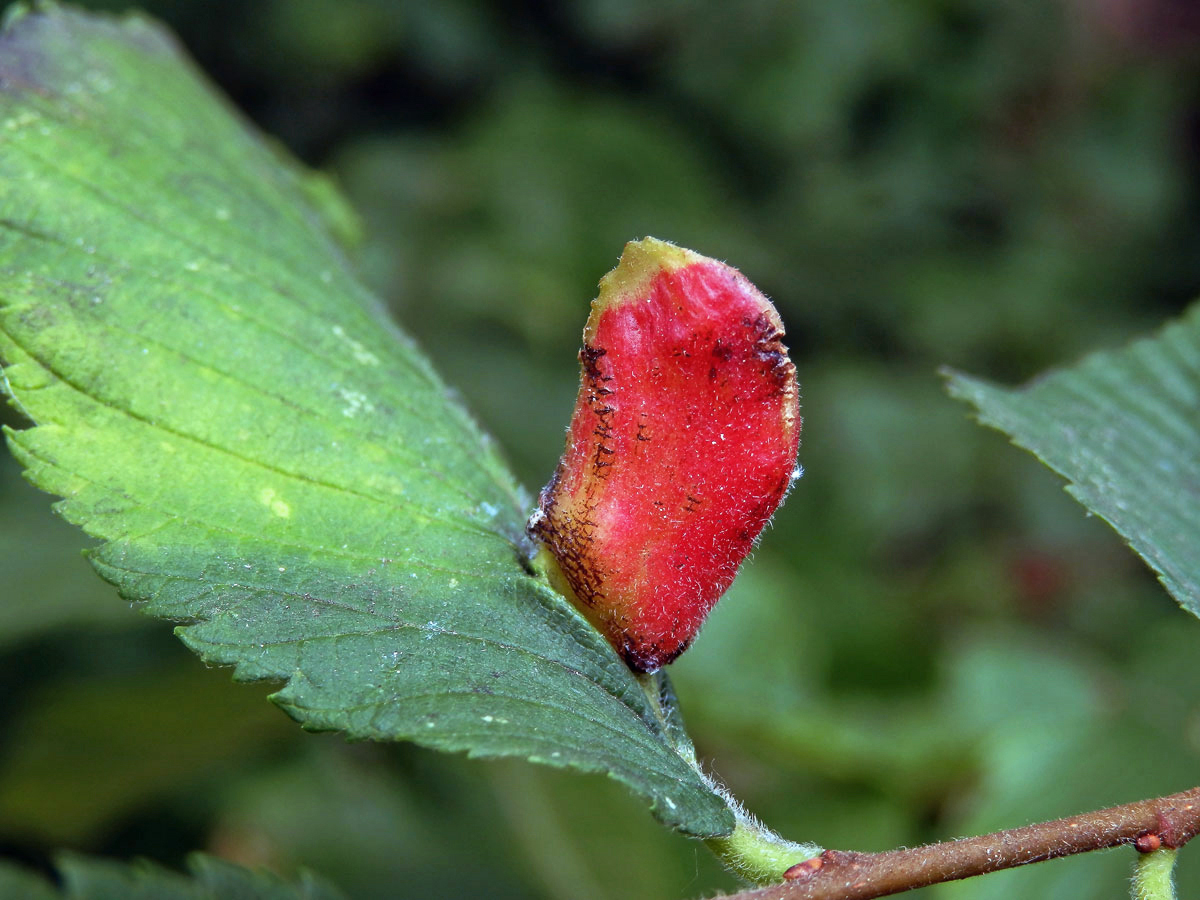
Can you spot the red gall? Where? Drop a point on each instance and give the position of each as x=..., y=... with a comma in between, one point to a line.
x=682, y=445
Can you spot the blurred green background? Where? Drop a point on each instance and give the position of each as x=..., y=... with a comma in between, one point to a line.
x=933, y=639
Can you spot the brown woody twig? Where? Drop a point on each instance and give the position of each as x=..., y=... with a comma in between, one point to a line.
x=847, y=875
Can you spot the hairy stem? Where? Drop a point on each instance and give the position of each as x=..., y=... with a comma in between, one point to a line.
x=756, y=853
x=1152, y=878
x=1164, y=822
x=752, y=850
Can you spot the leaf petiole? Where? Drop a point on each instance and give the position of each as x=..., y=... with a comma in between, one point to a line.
x=752, y=850
x=1152, y=878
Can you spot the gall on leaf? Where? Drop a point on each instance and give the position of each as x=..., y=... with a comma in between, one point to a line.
x=682, y=445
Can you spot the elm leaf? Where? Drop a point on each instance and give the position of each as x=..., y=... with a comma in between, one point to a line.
x=1124, y=428
x=263, y=456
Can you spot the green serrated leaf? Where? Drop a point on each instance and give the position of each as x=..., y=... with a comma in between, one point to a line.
x=1124, y=428
x=86, y=878
x=262, y=454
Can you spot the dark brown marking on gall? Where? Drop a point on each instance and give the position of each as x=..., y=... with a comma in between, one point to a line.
x=597, y=389
x=649, y=658
x=722, y=350
x=769, y=349
x=546, y=501
x=570, y=540
x=571, y=543
x=589, y=356
x=570, y=537
x=604, y=432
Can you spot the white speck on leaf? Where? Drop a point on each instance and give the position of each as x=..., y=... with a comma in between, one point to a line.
x=361, y=353
x=270, y=499
x=356, y=402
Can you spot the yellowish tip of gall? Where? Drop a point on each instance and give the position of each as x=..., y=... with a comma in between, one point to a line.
x=640, y=262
